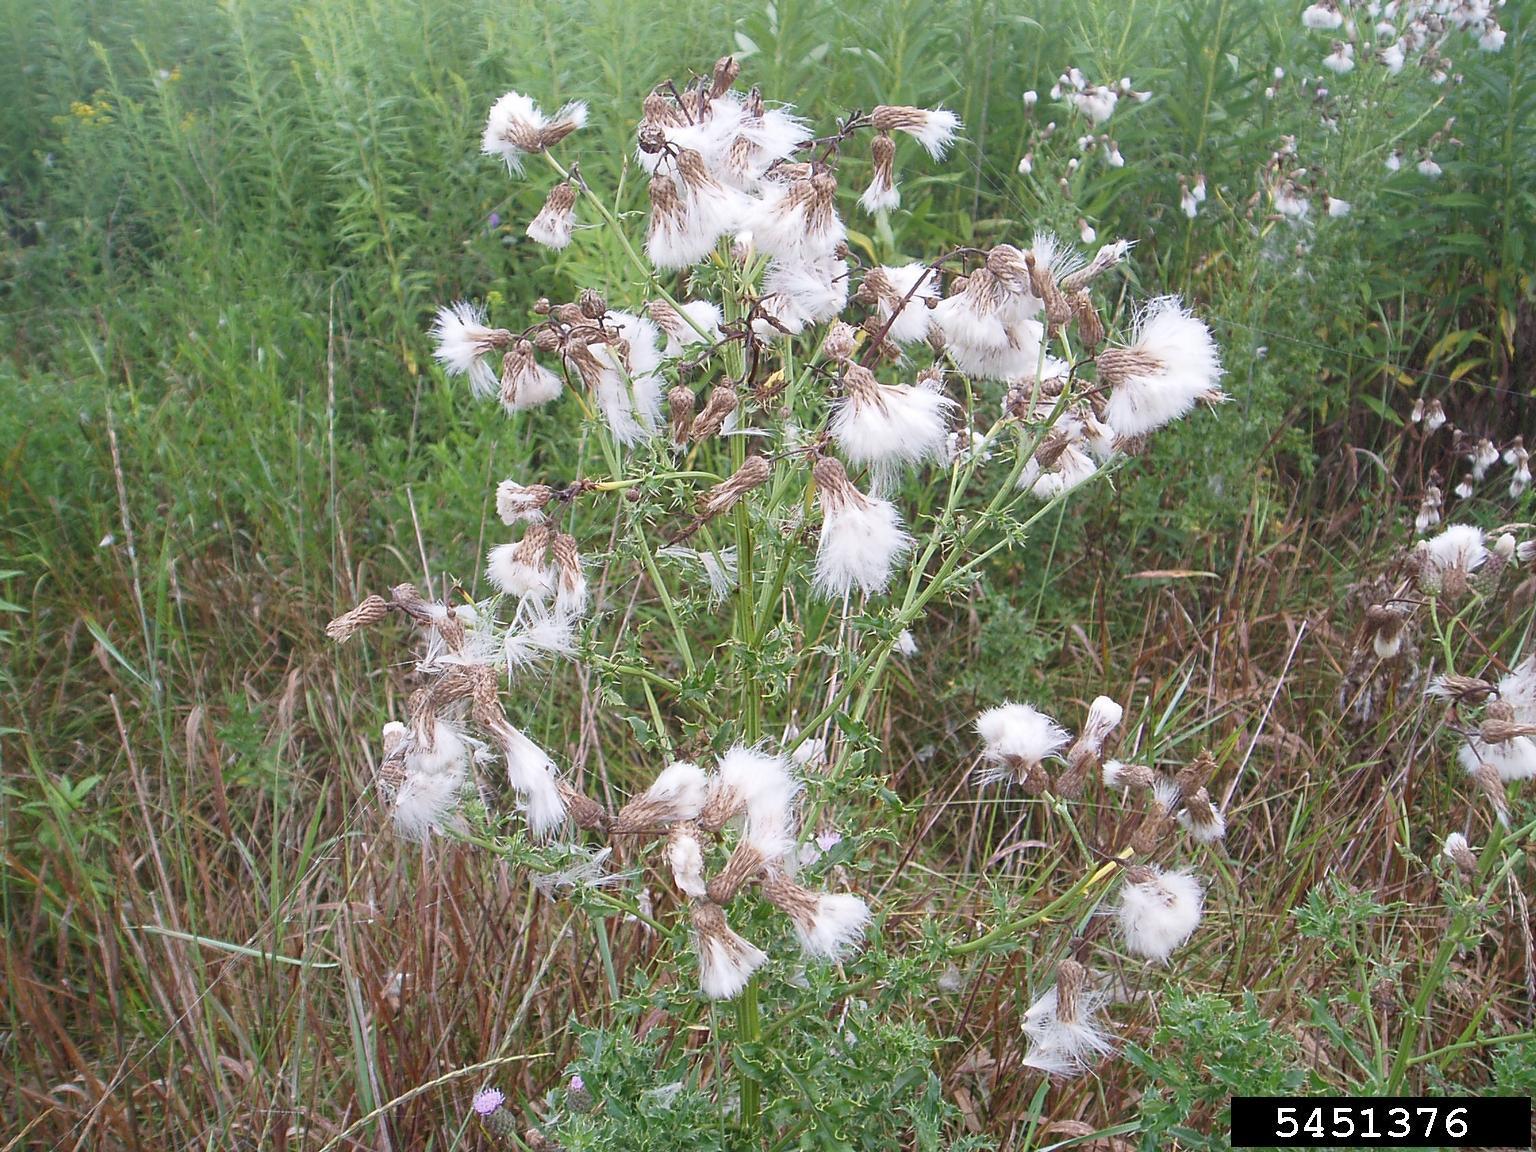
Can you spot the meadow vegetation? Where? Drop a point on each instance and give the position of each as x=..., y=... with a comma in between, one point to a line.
x=228, y=229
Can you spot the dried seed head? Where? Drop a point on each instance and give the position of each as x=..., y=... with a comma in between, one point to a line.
x=1071, y=978
x=1042, y=280
x=586, y=812
x=1387, y=626
x=746, y=862
x=592, y=304
x=1460, y=853
x=1152, y=832
x=1492, y=786
x=1500, y=730
x=677, y=795
x=934, y=129
x=555, y=221
x=721, y=403
x=522, y=502
x=1203, y=819
x=727, y=68
x=841, y=341
x=1196, y=774
x=882, y=192
x=753, y=473
x=1134, y=776
x=1090, y=328
x=370, y=611
x=685, y=856
x=832, y=480
x=1459, y=690
x=680, y=405
x=1106, y=258
x=726, y=961
x=1118, y=365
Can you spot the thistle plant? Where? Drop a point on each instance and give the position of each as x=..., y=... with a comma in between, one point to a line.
x=786, y=457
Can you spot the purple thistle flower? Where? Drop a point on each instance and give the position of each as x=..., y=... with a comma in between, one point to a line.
x=488, y=1101
x=493, y=221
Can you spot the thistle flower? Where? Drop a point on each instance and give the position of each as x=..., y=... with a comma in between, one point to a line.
x=1434, y=416
x=693, y=322
x=798, y=222
x=464, y=342
x=829, y=925
x=1121, y=775
x=553, y=225
x=888, y=426
x=520, y=569
x=798, y=292
x=1341, y=60
x=1387, y=625
x=881, y=193
x=1158, y=910
x=516, y=128
x=1201, y=818
x=538, y=635
x=525, y=383
x=570, y=577
x=522, y=502
x=622, y=373
x=1016, y=740
x=1324, y=16
x=435, y=773
x=726, y=961
x=1064, y=1038
x=1457, y=850
x=934, y=129
x=488, y=1100
x=1171, y=365
x=1447, y=560
x=1428, y=168
x=862, y=538
x=753, y=783
x=1337, y=208
x=676, y=795
x=685, y=856
x=1086, y=754
x=530, y=771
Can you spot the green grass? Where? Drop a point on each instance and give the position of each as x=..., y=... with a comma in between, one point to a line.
x=226, y=228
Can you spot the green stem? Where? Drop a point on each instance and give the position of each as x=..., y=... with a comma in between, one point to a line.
x=749, y=1030
x=1040, y=915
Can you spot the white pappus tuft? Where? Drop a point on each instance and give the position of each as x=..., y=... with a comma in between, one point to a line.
x=463, y=343
x=1015, y=740
x=862, y=537
x=1159, y=910
x=1171, y=366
